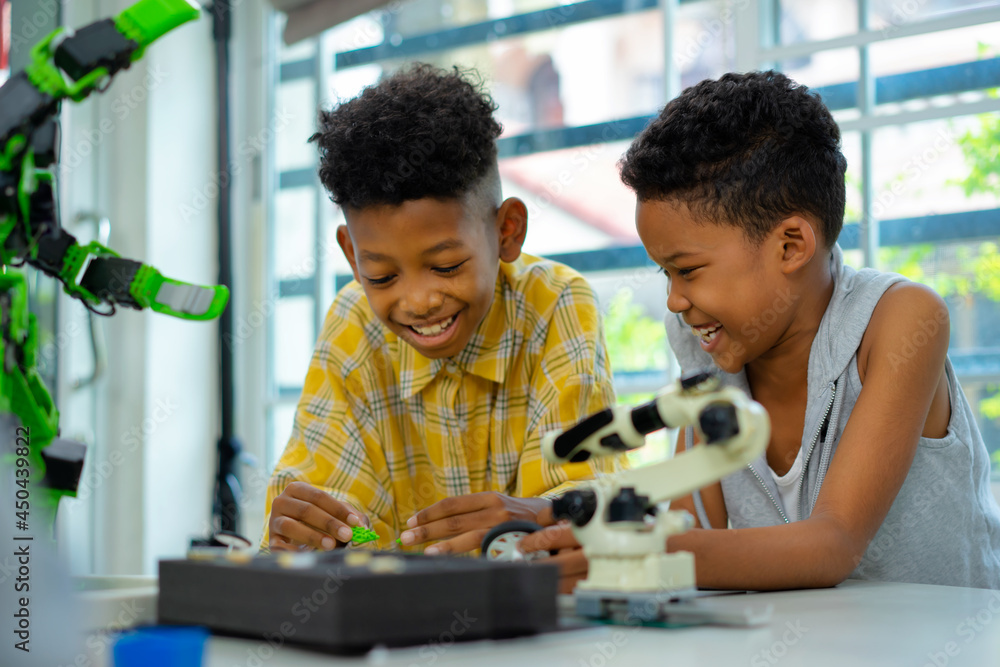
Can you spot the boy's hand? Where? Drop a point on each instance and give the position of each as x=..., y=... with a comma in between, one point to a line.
x=569, y=554
x=304, y=516
x=463, y=521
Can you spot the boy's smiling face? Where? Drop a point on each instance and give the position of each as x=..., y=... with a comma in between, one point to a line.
x=429, y=267
x=733, y=294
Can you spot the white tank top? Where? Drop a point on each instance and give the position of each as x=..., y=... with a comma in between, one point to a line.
x=788, y=487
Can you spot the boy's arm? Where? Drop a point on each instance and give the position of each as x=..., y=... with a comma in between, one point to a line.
x=325, y=474
x=326, y=455
x=872, y=460
x=309, y=500
x=712, y=499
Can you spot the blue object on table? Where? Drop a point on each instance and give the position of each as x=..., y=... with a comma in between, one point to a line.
x=161, y=646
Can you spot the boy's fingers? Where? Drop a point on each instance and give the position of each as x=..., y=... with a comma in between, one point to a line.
x=453, y=506
x=296, y=532
x=552, y=538
x=314, y=517
x=458, y=545
x=322, y=499
x=279, y=543
x=449, y=526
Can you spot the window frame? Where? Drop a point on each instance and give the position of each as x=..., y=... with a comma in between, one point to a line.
x=757, y=47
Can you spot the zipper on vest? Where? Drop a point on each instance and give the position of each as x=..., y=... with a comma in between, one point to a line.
x=805, y=460
x=822, y=427
x=824, y=462
x=764, y=486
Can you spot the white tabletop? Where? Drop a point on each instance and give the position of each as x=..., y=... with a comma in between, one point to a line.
x=856, y=623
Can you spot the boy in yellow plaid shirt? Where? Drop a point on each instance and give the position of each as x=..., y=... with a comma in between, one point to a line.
x=441, y=366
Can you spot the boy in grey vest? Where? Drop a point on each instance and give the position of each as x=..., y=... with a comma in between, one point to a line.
x=876, y=468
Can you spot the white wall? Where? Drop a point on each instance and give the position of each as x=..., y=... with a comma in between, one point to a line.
x=254, y=129
x=151, y=168
x=181, y=404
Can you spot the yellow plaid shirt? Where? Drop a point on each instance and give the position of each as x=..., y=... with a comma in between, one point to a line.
x=391, y=432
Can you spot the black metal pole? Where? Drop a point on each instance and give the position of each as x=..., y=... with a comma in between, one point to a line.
x=225, y=509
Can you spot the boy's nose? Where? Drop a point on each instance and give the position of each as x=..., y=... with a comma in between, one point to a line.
x=676, y=302
x=421, y=303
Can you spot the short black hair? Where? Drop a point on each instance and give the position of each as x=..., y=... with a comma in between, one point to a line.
x=422, y=132
x=745, y=150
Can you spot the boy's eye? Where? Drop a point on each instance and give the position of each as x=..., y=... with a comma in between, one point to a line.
x=449, y=269
x=683, y=273
x=379, y=281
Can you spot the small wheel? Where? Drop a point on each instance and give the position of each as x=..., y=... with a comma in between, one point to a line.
x=231, y=540
x=501, y=542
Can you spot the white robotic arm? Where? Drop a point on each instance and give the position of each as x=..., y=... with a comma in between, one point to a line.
x=621, y=519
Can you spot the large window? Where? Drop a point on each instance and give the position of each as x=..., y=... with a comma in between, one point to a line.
x=913, y=85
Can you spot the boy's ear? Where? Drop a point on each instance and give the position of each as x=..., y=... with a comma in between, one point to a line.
x=512, y=226
x=797, y=243
x=347, y=246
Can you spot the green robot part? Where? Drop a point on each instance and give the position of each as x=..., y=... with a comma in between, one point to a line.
x=363, y=535
x=46, y=467
x=139, y=25
x=66, y=65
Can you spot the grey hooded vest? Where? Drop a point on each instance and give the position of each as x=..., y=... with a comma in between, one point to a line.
x=944, y=526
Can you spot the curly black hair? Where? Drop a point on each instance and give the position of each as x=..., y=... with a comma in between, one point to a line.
x=746, y=150
x=422, y=132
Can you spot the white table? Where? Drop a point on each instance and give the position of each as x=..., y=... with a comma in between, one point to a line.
x=857, y=623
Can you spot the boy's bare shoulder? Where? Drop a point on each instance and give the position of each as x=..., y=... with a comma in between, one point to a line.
x=911, y=320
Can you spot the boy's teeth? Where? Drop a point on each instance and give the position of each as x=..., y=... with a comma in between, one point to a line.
x=707, y=334
x=434, y=329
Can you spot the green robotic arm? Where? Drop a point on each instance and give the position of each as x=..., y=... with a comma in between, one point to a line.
x=67, y=65
x=71, y=65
